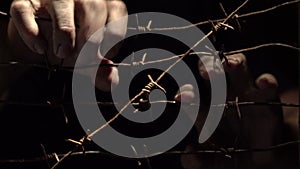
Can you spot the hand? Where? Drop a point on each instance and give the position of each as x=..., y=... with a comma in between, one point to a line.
x=250, y=127
x=73, y=22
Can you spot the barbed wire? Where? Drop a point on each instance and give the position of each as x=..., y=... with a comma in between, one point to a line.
x=228, y=104
x=148, y=27
x=226, y=151
x=189, y=26
x=54, y=68
x=236, y=16
x=147, y=89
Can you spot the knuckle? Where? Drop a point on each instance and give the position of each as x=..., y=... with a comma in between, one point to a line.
x=65, y=24
x=117, y=6
x=239, y=56
x=91, y=4
x=100, y=4
x=19, y=7
x=67, y=29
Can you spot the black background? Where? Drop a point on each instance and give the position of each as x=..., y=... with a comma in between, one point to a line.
x=23, y=129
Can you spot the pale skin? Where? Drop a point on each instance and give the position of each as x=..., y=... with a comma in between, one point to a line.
x=73, y=22
x=261, y=126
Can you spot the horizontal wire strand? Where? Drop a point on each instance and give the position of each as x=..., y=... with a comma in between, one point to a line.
x=221, y=151
x=54, y=68
x=229, y=150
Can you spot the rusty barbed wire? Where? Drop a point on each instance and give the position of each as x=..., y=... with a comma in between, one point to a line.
x=228, y=152
x=148, y=27
x=228, y=104
x=54, y=68
x=60, y=157
x=193, y=25
x=152, y=82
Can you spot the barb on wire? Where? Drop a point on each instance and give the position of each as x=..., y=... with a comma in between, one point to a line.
x=227, y=104
x=262, y=46
x=237, y=151
x=55, y=68
x=236, y=16
x=148, y=27
x=218, y=27
x=193, y=25
x=220, y=151
x=220, y=24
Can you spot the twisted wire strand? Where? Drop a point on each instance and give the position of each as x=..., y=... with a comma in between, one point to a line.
x=218, y=26
x=148, y=28
x=155, y=82
x=67, y=68
x=54, y=68
x=222, y=151
x=228, y=104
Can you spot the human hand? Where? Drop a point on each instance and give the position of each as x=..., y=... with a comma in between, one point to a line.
x=245, y=126
x=73, y=22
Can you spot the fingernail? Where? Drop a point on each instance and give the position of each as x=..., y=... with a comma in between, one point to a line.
x=187, y=87
x=177, y=97
x=266, y=82
x=233, y=62
x=38, y=48
x=263, y=83
x=187, y=96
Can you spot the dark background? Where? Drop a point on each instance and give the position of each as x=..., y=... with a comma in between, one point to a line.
x=280, y=25
x=23, y=129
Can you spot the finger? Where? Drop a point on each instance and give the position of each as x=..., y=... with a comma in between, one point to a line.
x=234, y=62
x=91, y=16
x=210, y=67
x=107, y=77
x=265, y=81
x=116, y=9
x=23, y=17
x=62, y=14
x=115, y=32
x=268, y=85
x=240, y=80
x=115, y=29
x=185, y=93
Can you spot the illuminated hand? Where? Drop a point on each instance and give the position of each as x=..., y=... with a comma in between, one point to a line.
x=247, y=127
x=73, y=22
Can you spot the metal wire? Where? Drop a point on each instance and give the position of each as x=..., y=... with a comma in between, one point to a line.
x=222, y=151
x=236, y=103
